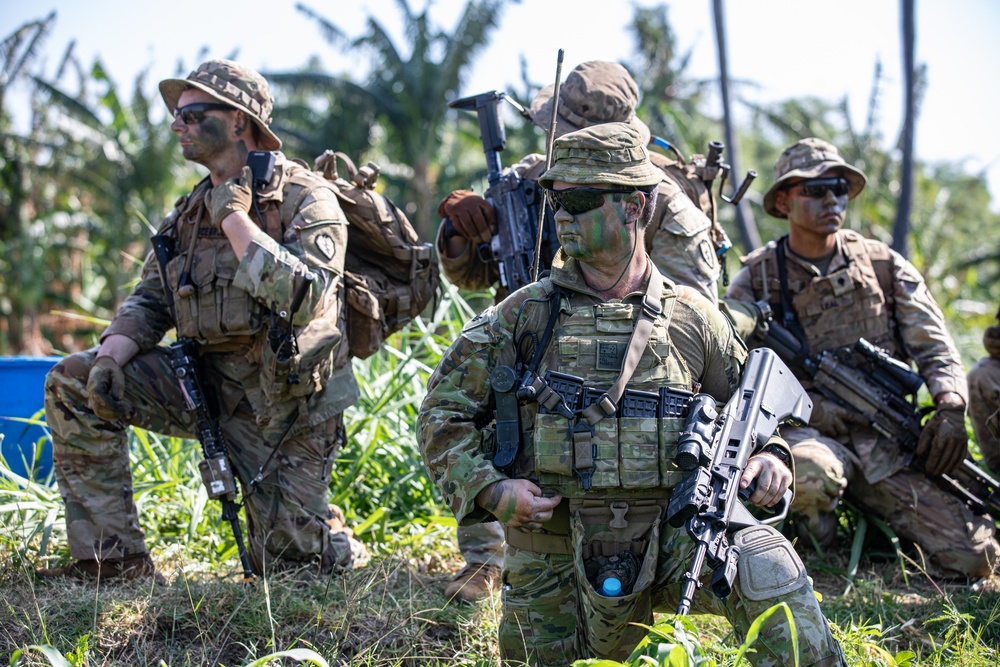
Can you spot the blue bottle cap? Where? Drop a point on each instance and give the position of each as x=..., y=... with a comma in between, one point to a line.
x=611, y=588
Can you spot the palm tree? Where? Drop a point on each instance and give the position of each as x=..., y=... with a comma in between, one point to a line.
x=408, y=91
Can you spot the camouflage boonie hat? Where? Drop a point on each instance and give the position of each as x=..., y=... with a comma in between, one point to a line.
x=230, y=83
x=809, y=158
x=609, y=153
x=594, y=92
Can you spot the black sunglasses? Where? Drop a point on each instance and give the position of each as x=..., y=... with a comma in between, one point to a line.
x=193, y=114
x=580, y=200
x=817, y=187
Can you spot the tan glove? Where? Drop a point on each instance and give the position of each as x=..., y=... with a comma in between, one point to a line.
x=944, y=442
x=106, y=390
x=229, y=197
x=472, y=216
x=832, y=419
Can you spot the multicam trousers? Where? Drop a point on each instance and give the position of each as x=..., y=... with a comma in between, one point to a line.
x=547, y=621
x=285, y=511
x=984, y=408
x=957, y=542
x=482, y=543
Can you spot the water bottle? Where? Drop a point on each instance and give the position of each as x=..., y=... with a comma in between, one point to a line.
x=617, y=574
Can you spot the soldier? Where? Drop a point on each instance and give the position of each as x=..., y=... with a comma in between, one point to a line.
x=243, y=248
x=842, y=287
x=606, y=315
x=679, y=241
x=984, y=398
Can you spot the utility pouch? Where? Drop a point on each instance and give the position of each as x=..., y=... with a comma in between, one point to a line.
x=602, y=528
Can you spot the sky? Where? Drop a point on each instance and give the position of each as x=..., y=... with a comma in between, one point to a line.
x=778, y=49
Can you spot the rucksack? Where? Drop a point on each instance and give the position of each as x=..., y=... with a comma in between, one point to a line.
x=689, y=175
x=390, y=274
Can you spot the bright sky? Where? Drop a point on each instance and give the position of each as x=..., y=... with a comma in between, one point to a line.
x=784, y=48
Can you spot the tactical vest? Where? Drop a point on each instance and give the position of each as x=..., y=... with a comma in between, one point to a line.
x=226, y=318
x=633, y=449
x=837, y=309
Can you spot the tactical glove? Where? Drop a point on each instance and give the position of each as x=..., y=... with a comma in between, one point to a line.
x=106, y=389
x=832, y=419
x=943, y=443
x=229, y=197
x=472, y=216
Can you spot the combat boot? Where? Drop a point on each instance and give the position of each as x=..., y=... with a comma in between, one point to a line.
x=129, y=568
x=472, y=582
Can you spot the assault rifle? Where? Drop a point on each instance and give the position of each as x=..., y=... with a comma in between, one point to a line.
x=867, y=379
x=516, y=200
x=715, y=447
x=216, y=470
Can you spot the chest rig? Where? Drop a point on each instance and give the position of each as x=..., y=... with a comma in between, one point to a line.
x=832, y=311
x=600, y=405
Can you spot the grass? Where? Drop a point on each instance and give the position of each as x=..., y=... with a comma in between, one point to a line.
x=884, y=610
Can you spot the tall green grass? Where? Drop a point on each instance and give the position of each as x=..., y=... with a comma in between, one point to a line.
x=391, y=612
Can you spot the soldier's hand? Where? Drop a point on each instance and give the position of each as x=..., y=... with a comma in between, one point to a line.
x=832, y=419
x=106, y=390
x=230, y=197
x=773, y=479
x=943, y=442
x=471, y=215
x=518, y=503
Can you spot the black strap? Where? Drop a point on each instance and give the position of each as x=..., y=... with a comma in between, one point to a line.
x=788, y=316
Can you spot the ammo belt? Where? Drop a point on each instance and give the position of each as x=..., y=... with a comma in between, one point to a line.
x=558, y=541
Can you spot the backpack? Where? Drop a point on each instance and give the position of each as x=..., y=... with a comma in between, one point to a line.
x=689, y=175
x=390, y=274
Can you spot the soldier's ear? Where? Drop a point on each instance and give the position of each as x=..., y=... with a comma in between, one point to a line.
x=781, y=201
x=633, y=206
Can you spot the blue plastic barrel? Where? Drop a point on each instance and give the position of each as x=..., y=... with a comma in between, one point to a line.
x=22, y=388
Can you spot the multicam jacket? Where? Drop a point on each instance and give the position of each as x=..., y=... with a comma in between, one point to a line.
x=693, y=347
x=679, y=241
x=869, y=291
x=225, y=303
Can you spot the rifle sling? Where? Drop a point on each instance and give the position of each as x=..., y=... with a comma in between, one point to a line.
x=788, y=315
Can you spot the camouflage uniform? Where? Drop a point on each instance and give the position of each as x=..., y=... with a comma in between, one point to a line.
x=680, y=237
x=679, y=241
x=283, y=437
x=551, y=614
x=984, y=399
x=868, y=291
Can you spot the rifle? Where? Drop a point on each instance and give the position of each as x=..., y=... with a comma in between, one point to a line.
x=867, y=379
x=216, y=469
x=715, y=447
x=517, y=201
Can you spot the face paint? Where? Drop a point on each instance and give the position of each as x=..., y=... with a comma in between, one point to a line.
x=597, y=236
x=205, y=140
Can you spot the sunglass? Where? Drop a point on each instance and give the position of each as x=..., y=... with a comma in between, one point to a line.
x=580, y=200
x=817, y=187
x=193, y=114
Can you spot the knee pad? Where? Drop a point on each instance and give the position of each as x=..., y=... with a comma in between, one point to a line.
x=768, y=565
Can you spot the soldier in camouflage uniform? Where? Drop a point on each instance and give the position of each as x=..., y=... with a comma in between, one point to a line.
x=243, y=248
x=596, y=482
x=984, y=398
x=679, y=241
x=842, y=287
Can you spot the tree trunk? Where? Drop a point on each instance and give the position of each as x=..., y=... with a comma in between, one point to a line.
x=901, y=229
x=744, y=216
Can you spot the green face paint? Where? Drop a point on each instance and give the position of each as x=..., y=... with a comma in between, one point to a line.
x=597, y=236
x=205, y=140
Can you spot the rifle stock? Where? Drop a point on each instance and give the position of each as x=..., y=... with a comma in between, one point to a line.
x=715, y=447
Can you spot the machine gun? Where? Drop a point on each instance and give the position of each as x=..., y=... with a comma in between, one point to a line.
x=715, y=447
x=516, y=200
x=866, y=379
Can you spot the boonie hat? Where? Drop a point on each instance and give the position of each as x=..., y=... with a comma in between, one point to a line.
x=809, y=158
x=230, y=83
x=609, y=153
x=595, y=92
